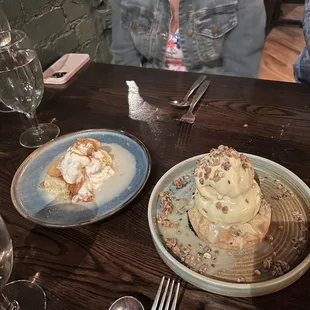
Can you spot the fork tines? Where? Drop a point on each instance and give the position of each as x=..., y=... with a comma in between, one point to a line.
x=184, y=134
x=163, y=298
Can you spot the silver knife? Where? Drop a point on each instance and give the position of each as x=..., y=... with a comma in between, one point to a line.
x=200, y=91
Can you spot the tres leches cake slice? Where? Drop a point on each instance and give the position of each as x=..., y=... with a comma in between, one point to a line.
x=79, y=173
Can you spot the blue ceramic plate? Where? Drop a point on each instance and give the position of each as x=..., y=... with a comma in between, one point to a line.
x=132, y=168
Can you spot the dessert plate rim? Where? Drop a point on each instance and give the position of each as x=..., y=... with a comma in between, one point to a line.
x=206, y=283
x=34, y=154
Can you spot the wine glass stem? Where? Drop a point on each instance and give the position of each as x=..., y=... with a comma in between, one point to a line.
x=32, y=117
x=5, y=304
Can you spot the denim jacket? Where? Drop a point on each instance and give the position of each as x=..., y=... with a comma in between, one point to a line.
x=216, y=36
x=302, y=64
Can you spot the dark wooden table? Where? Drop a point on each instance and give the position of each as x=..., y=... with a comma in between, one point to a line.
x=90, y=266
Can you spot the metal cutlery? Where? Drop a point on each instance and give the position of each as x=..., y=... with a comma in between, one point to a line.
x=189, y=117
x=185, y=102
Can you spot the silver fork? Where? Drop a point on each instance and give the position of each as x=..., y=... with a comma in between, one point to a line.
x=184, y=134
x=165, y=301
x=189, y=117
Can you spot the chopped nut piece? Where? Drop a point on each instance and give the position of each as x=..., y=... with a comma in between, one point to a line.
x=218, y=205
x=176, y=250
x=188, y=175
x=218, y=175
x=165, y=222
x=225, y=209
x=267, y=263
x=208, y=171
x=171, y=242
x=187, y=259
x=207, y=249
x=279, y=268
x=179, y=183
x=207, y=255
x=297, y=216
x=235, y=155
x=166, y=204
x=257, y=272
x=215, y=162
x=203, y=268
x=226, y=166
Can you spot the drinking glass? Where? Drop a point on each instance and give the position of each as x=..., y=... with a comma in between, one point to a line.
x=21, y=294
x=22, y=87
x=4, y=40
x=18, y=40
x=4, y=28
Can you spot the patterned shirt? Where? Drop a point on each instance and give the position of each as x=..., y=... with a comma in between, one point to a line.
x=174, y=55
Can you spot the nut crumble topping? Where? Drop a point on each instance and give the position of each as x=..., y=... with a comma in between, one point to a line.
x=218, y=205
x=179, y=183
x=225, y=209
x=275, y=267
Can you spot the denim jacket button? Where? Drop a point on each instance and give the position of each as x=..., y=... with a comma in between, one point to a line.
x=190, y=32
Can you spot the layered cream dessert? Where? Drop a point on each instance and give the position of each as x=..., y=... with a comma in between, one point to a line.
x=230, y=211
x=79, y=173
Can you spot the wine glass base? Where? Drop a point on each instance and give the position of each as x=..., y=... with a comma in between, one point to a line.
x=31, y=139
x=5, y=109
x=29, y=295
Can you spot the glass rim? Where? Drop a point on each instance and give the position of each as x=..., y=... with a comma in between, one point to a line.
x=11, y=53
x=22, y=36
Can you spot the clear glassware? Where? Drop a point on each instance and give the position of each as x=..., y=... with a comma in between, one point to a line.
x=21, y=294
x=5, y=27
x=4, y=40
x=18, y=40
x=22, y=87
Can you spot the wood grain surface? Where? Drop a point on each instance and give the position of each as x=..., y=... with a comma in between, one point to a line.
x=283, y=46
x=90, y=266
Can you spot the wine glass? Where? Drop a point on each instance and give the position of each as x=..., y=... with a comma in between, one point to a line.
x=4, y=40
x=18, y=40
x=21, y=294
x=22, y=88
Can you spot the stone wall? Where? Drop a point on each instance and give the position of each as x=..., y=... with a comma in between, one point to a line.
x=57, y=27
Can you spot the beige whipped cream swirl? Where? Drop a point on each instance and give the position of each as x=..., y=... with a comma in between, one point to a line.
x=227, y=193
x=86, y=166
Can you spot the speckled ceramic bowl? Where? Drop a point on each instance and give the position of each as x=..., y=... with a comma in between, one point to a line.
x=288, y=217
x=34, y=204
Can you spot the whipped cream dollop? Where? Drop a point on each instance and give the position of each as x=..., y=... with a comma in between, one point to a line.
x=227, y=193
x=87, y=167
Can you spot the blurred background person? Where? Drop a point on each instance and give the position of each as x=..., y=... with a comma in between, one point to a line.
x=302, y=64
x=207, y=36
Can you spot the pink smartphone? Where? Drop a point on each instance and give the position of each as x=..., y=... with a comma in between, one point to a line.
x=64, y=68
